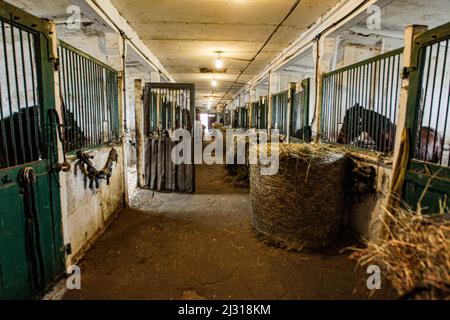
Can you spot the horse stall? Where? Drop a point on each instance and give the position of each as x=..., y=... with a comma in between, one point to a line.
x=360, y=110
x=259, y=114
x=166, y=109
x=300, y=127
x=93, y=191
x=240, y=118
x=427, y=186
x=30, y=220
x=279, y=112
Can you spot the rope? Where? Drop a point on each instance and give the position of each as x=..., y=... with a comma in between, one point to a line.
x=55, y=121
x=27, y=179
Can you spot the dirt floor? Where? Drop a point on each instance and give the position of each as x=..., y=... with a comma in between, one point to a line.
x=201, y=246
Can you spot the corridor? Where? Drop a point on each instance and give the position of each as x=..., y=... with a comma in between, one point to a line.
x=224, y=150
x=202, y=246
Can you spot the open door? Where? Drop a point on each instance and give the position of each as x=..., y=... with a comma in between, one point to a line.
x=168, y=107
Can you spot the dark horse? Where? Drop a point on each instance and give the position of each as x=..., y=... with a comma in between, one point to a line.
x=21, y=136
x=359, y=120
x=304, y=134
x=381, y=131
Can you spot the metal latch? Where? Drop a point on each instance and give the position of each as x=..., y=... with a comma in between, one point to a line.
x=406, y=72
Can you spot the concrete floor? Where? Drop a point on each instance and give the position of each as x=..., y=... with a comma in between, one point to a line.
x=201, y=246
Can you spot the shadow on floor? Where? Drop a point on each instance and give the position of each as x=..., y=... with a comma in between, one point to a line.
x=202, y=246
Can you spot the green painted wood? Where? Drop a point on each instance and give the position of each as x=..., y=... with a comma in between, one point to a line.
x=15, y=277
x=420, y=173
x=364, y=62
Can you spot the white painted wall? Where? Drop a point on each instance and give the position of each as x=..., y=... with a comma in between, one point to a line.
x=86, y=213
x=89, y=212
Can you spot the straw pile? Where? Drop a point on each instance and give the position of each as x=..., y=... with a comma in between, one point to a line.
x=302, y=206
x=415, y=257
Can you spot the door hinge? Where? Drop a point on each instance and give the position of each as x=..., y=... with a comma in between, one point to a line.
x=67, y=248
x=407, y=71
x=56, y=63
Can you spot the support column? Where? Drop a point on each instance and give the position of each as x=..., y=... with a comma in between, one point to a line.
x=399, y=153
x=140, y=144
x=323, y=56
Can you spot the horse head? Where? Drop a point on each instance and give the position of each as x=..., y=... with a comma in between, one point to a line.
x=353, y=124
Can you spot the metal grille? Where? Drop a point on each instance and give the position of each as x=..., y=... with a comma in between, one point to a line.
x=240, y=118
x=20, y=118
x=262, y=112
x=360, y=103
x=433, y=132
x=89, y=91
x=279, y=111
x=300, y=112
x=166, y=109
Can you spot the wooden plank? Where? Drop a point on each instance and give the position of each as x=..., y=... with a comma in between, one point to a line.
x=189, y=178
x=140, y=142
x=154, y=164
x=148, y=161
x=181, y=184
x=168, y=163
x=160, y=185
x=174, y=169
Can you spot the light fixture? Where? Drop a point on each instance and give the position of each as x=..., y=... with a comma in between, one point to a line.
x=219, y=62
x=214, y=82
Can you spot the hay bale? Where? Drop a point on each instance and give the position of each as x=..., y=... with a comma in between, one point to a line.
x=415, y=256
x=302, y=206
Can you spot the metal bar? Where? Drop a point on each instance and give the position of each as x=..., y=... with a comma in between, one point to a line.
x=65, y=95
x=84, y=102
x=8, y=85
x=31, y=49
x=366, y=116
x=2, y=121
x=422, y=105
x=432, y=96
x=27, y=111
x=367, y=61
x=444, y=65
x=90, y=100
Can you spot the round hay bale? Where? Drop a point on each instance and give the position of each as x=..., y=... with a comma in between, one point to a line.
x=302, y=206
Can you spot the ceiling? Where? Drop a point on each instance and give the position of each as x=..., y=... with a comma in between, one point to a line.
x=185, y=34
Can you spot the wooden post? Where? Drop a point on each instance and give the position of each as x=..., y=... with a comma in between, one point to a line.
x=402, y=140
x=410, y=33
x=324, y=53
x=140, y=147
